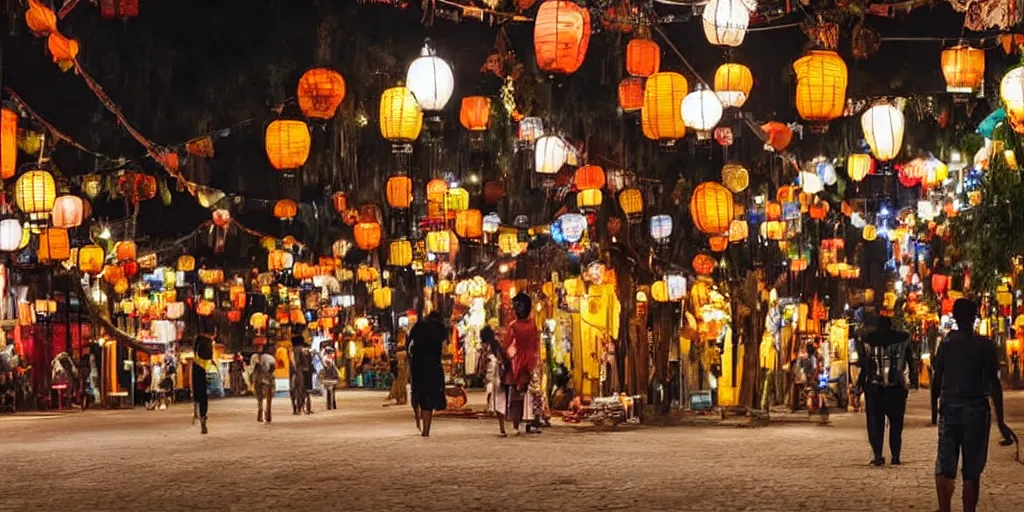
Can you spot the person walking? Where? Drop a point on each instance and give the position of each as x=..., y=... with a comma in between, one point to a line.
x=263, y=382
x=497, y=401
x=965, y=375
x=522, y=348
x=428, y=337
x=301, y=377
x=399, y=386
x=328, y=378
x=202, y=368
x=887, y=370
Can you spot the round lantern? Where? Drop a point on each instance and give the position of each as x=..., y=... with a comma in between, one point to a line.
x=401, y=118
x=10, y=235
x=859, y=165
x=35, y=192
x=725, y=22
x=573, y=226
x=963, y=68
x=820, y=86
x=54, y=245
x=400, y=253
x=561, y=35
x=735, y=177
x=475, y=113
x=221, y=217
x=125, y=250
x=870, y=233
x=469, y=224
x=660, y=117
x=643, y=57
x=399, y=192
x=286, y=209
x=90, y=259
x=551, y=153
x=589, y=177
x=491, y=223
x=712, y=208
x=778, y=135
x=8, y=143
x=733, y=83
x=883, y=130
x=287, y=144
x=703, y=264
x=701, y=111
x=631, y=94
x=589, y=199
x=367, y=235
x=430, y=80
x=68, y=212
x=661, y=228
x=659, y=291
x=320, y=92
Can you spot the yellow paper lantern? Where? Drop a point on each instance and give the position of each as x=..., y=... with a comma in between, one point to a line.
x=660, y=116
x=659, y=291
x=186, y=263
x=287, y=143
x=712, y=208
x=733, y=83
x=821, y=80
x=858, y=166
x=963, y=68
x=870, y=233
x=400, y=253
x=35, y=192
x=400, y=116
x=735, y=177
x=382, y=298
x=439, y=242
x=90, y=259
x=631, y=201
x=589, y=199
x=456, y=199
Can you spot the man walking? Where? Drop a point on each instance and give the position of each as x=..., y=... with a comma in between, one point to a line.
x=203, y=367
x=887, y=371
x=263, y=364
x=965, y=376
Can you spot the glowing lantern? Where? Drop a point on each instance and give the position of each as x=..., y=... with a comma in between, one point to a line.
x=963, y=68
x=491, y=223
x=703, y=264
x=186, y=263
x=439, y=242
x=859, y=165
x=401, y=118
x=870, y=233
x=456, y=199
x=883, y=130
x=430, y=80
x=660, y=117
x=659, y=291
x=631, y=94
x=551, y=153
x=35, y=192
x=589, y=177
x=561, y=35
x=90, y=259
x=643, y=57
x=712, y=208
x=573, y=226
x=589, y=199
x=125, y=250
x=279, y=260
x=739, y=230
x=530, y=129
x=367, y=235
x=400, y=253
x=8, y=143
x=68, y=212
x=382, y=298
x=399, y=192
x=778, y=134
x=725, y=22
x=92, y=185
x=810, y=183
x=221, y=217
x=508, y=244
x=287, y=144
x=940, y=283
x=735, y=177
x=63, y=50
x=286, y=209
x=54, y=245
x=40, y=19
x=475, y=113
x=631, y=201
x=211, y=276
x=340, y=202
x=661, y=228
x=320, y=92
x=10, y=235
x=469, y=224
x=733, y=83
x=820, y=86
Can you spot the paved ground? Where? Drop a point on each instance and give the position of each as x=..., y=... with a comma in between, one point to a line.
x=368, y=457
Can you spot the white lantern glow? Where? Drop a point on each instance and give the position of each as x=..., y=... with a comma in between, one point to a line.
x=661, y=227
x=701, y=110
x=926, y=210
x=430, y=80
x=530, y=129
x=676, y=285
x=10, y=235
x=725, y=22
x=340, y=248
x=491, y=223
x=573, y=226
x=883, y=130
x=810, y=183
x=550, y=154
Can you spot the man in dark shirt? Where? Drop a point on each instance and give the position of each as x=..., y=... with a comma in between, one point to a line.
x=887, y=370
x=965, y=376
x=201, y=367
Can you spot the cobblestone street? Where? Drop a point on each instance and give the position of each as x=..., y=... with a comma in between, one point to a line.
x=367, y=457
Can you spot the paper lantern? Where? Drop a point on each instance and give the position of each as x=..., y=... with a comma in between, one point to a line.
x=68, y=212
x=54, y=245
x=703, y=264
x=10, y=235
x=399, y=192
x=221, y=217
x=735, y=177
x=661, y=228
x=63, y=50
x=456, y=199
x=439, y=242
x=400, y=253
x=659, y=291
x=963, y=68
x=870, y=233
x=589, y=177
x=589, y=199
x=509, y=245
x=286, y=209
x=469, y=224
x=34, y=193
x=401, y=118
x=818, y=210
x=279, y=260
x=550, y=154
x=186, y=263
x=561, y=34
x=725, y=22
x=287, y=143
x=643, y=57
x=820, y=86
x=41, y=20
x=90, y=259
x=430, y=80
x=778, y=135
x=883, y=130
x=382, y=298
x=530, y=129
x=810, y=183
x=494, y=192
x=125, y=250
x=302, y=270
x=119, y=8
x=320, y=92
x=367, y=235
x=137, y=186
x=211, y=276
x=436, y=191
x=631, y=201
x=8, y=143
x=739, y=230
x=712, y=208
x=491, y=223
x=940, y=283
x=631, y=94
x=340, y=202
x=859, y=165
x=660, y=116
x=475, y=114
x=733, y=83
x=573, y=226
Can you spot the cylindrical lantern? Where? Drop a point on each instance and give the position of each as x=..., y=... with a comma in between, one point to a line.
x=475, y=113
x=733, y=83
x=456, y=199
x=820, y=86
x=661, y=228
x=643, y=57
x=382, y=297
x=589, y=177
x=530, y=129
x=561, y=35
x=883, y=130
x=10, y=235
x=573, y=226
x=399, y=192
x=631, y=94
x=401, y=118
x=320, y=92
x=54, y=245
x=660, y=118
x=400, y=253
x=287, y=144
x=963, y=68
x=286, y=209
x=8, y=143
x=430, y=80
x=550, y=154
x=367, y=235
x=712, y=208
x=701, y=110
x=68, y=212
x=90, y=259
x=725, y=22
x=34, y=193
x=469, y=224
x=859, y=165
x=439, y=242
x=588, y=199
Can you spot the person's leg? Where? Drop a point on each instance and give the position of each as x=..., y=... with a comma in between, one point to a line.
x=875, y=423
x=972, y=488
x=896, y=410
x=976, y=427
x=501, y=424
x=948, y=457
x=269, y=399
x=427, y=415
x=199, y=393
x=944, y=487
x=259, y=404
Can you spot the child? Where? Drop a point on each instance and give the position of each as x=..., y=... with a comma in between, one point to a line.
x=496, y=398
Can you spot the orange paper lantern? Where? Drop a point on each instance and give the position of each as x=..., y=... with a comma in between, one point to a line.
x=40, y=19
x=719, y=243
x=367, y=235
x=469, y=224
x=661, y=117
x=340, y=202
x=712, y=208
x=287, y=144
x=286, y=209
x=63, y=50
x=631, y=94
x=778, y=134
x=589, y=177
x=963, y=68
x=820, y=86
x=54, y=245
x=125, y=250
x=8, y=143
x=320, y=92
x=561, y=35
x=399, y=192
x=643, y=57
x=475, y=113
x=703, y=264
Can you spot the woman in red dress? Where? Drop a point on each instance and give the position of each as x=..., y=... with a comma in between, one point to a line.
x=522, y=350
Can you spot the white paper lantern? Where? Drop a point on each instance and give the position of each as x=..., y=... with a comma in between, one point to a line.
x=550, y=154
x=676, y=285
x=430, y=80
x=530, y=129
x=340, y=248
x=725, y=22
x=10, y=235
x=1011, y=90
x=810, y=182
x=661, y=227
x=883, y=130
x=926, y=210
x=701, y=110
x=573, y=225
x=175, y=310
x=491, y=223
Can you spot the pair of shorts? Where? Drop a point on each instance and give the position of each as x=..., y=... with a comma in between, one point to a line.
x=963, y=437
